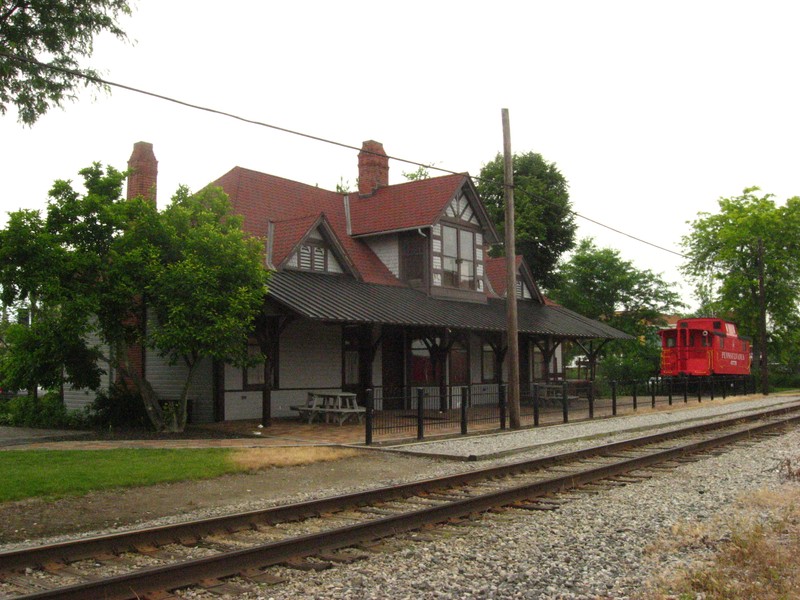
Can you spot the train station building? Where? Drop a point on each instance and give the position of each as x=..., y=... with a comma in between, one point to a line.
x=389, y=288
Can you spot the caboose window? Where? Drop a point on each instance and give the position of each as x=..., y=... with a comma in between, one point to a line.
x=670, y=342
x=706, y=341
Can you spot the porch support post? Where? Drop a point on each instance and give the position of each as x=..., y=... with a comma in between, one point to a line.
x=438, y=353
x=591, y=354
x=366, y=358
x=268, y=331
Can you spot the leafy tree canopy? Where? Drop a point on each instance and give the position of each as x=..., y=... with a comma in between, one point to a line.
x=723, y=251
x=600, y=284
x=545, y=224
x=57, y=33
x=418, y=175
x=93, y=265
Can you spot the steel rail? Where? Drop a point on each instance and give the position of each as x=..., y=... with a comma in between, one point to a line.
x=132, y=585
x=129, y=586
x=74, y=550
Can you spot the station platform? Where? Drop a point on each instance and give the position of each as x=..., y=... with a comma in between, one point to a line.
x=476, y=446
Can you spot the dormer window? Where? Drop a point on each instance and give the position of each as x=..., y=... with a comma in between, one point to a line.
x=314, y=254
x=313, y=257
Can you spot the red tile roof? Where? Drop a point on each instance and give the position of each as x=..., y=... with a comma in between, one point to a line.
x=260, y=198
x=496, y=272
x=403, y=206
x=287, y=234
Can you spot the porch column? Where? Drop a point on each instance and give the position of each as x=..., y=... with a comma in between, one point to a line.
x=366, y=357
x=268, y=331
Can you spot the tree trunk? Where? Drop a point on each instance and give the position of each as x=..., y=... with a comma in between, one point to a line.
x=181, y=412
x=148, y=394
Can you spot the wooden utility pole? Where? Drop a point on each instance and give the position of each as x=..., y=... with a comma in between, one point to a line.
x=511, y=279
x=762, y=320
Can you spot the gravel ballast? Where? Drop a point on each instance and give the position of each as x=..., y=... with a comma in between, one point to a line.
x=593, y=546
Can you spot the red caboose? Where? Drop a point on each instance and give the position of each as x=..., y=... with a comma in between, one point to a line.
x=702, y=347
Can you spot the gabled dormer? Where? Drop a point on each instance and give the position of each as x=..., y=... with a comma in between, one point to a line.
x=432, y=234
x=307, y=244
x=459, y=239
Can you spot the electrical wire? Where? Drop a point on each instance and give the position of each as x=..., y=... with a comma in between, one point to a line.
x=106, y=82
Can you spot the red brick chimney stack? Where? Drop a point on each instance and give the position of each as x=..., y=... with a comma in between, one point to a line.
x=144, y=171
x=373, y=167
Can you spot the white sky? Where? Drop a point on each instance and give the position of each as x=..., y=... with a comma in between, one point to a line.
x=651, y=110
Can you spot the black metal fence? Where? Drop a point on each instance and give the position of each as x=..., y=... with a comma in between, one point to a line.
x=424, y=411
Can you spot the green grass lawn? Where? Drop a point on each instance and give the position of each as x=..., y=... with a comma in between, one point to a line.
x=54, y=474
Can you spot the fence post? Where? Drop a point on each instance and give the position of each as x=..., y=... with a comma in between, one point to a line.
x=564, y=405
x=700, y=390
x=535, y=405
x=634, y=395
x=711, y=385
x=685, y=389
x=502, y=400
x=420, y=413
x=368, y=417
x=464, y=399
x=724, y=390
x=614, y=398
x=669, y=391
x=590, y=395
x=652, y=385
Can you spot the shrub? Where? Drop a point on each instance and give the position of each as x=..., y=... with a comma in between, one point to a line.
x=47, y=411
x=118, y=407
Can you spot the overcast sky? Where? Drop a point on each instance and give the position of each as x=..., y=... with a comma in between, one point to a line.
x=651, y=110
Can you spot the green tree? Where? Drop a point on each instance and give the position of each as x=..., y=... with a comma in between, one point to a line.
x=600, y=284
x=204, y=283
x=545, y=223
x=418, y=175
x=56, y=33
x=99, y=266
x=727, y=250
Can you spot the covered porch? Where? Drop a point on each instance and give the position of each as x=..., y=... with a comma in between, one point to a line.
x=335, y=334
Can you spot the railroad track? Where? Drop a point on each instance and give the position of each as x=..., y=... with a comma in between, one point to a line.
x=217, y=553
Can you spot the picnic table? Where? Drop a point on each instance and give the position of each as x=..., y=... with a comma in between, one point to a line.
x=338, y=406
x=554, y=392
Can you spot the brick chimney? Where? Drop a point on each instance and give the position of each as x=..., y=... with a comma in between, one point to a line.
x=373, y=167
x=144, y=171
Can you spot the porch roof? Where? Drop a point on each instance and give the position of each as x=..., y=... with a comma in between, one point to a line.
x=346, y=300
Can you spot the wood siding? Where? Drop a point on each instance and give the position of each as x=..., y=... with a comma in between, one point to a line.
x=310, y=357
x=386, y=248
x=168, y=380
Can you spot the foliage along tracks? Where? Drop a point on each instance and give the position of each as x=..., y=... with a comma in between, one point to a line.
x=312, y=535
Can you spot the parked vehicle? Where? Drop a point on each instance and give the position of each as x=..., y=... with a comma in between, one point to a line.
x=701, y=347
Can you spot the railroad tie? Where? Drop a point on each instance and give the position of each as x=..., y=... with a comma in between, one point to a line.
x=221, y=588
x=342, y=556
x=303, y=564
x=261, y=577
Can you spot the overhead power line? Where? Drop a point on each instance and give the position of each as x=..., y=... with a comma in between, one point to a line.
x=222, y=113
